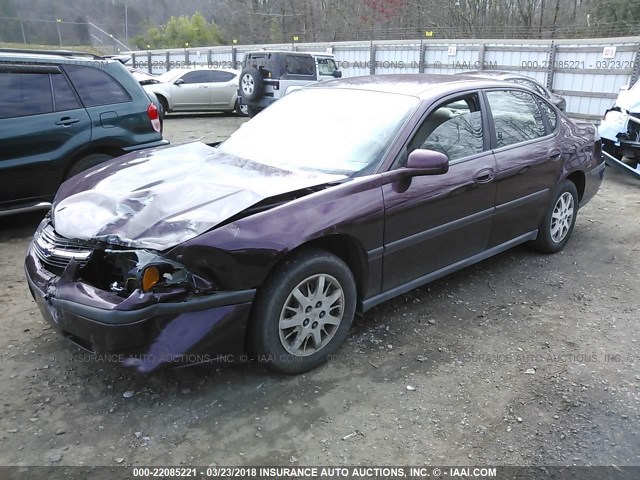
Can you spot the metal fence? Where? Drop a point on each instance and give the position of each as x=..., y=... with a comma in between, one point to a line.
x=587, y=72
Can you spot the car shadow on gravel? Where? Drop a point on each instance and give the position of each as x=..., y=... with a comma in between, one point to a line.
x=21, y=226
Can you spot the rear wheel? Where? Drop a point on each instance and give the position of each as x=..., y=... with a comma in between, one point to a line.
x=303, y=312
x=558, y=223
x=86, y=163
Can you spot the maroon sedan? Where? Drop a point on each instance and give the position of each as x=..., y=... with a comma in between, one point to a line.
x=270, y=242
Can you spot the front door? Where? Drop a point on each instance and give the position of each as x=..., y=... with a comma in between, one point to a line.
x=432, y=222
x=192, y=91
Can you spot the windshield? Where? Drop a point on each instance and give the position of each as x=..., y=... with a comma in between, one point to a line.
x=325, y=130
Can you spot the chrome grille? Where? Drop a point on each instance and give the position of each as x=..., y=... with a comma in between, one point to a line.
x=56, y=251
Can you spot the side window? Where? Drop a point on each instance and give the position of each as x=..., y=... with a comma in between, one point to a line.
x=300, y=65
x=201, y=76
x=458, y=137
x=551, y=115
x=95, y=86
x=63, y=96
x=516, y=117
x=453, y=128
x=217, y=76
x=326, y=66
x=24, y=94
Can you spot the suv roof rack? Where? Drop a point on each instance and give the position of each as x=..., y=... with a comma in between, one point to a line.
x=61, y=53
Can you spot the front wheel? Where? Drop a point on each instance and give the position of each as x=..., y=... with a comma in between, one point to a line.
x=303, y=312
x=558, y=223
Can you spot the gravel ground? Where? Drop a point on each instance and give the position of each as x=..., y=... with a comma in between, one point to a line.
x=521, y=359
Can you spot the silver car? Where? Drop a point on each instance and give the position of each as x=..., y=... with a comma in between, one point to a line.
x=198, y=89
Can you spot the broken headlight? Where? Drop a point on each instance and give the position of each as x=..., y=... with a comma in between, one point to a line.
x=147, y=271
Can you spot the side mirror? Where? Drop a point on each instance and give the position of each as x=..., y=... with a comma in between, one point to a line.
x=427, y=162
x=337, y=74
x=178, y=82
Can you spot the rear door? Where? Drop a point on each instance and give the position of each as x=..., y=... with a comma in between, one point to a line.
x=42, y=123
x=529, y=161
x=222, y=89
x=432, y=222
x=193, y=93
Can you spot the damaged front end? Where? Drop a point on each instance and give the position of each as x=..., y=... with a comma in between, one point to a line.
x=137, y=303
x=117, y=267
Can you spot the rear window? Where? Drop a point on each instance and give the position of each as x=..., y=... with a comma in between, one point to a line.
x=63, y=96
x=260, y=61
x=300, y=65
x=23, y=94
x=96, y=87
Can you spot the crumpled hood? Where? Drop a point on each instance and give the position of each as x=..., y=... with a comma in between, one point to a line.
x=629, y=100
x=159, y=198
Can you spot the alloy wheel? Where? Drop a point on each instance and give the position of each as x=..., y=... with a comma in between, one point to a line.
x=562, y=217
x=248, y=84
x=311, y=315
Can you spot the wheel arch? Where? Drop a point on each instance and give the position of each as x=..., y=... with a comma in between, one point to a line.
x=110, y=150
x=343, y=246
x=579, y=179
x=164, y=101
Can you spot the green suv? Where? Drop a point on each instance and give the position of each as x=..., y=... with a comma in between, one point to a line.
x=61, y=113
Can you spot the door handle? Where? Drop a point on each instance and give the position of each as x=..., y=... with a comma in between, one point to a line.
x=555, y=154
x=484, y=176
x=66, y=121
x=204, y=86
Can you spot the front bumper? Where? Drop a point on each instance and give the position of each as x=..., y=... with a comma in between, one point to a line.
x=205, y=328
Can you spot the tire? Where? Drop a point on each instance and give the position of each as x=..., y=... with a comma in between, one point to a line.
x=307, y=342
x=557, y=225
x=164, y=105
x=251, y=83
x=253, y=111
x=241, y=110
x=86, y=163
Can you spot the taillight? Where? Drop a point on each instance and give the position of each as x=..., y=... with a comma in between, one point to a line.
x=275, y=84
x=154, y=116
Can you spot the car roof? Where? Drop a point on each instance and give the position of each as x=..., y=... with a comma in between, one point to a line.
x=50, y=56
x=288, y=52
x=500, y=74
x=419, y=85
